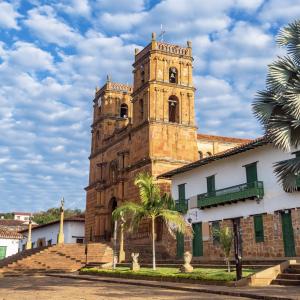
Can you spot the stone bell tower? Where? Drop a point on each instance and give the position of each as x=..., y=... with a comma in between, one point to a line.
x=163, y=97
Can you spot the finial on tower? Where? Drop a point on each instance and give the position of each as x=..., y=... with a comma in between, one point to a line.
x=153, y=36
x=96, y=89
x=136, y=51
x=189, y=44
x=108, y=79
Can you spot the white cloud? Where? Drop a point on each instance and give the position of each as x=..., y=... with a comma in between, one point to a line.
x=58, y=148
x=8, y=15
x=76, y=7
x=278, y=10
x=44, y=24
x=29, y=57
x=116, y=6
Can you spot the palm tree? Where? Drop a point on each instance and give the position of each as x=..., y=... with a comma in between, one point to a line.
x=226, y=238
x=278, y=106
x=152, y=206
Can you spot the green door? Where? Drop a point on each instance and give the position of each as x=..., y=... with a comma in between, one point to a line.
x=197, y=240
x=2, y=252
x=288, y=235
x=251, y=172
x=180, y=245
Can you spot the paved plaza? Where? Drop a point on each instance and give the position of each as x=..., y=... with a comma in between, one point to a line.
x=44, y=287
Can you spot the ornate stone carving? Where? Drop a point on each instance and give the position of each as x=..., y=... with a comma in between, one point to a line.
x=135, y=264
x=187, y=267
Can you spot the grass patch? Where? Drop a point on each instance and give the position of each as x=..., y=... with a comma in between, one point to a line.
x=197, y=274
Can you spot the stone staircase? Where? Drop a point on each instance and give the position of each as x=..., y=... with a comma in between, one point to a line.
x=290, y=276
x=57, y=258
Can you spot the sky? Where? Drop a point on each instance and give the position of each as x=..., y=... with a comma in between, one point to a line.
x=54, y=53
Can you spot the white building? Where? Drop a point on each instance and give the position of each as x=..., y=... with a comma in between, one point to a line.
x=46, y=234
x=239, y=184
x=9, y=242
x=22, y=216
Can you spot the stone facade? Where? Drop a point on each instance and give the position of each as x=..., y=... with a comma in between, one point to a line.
x=271, y=247
x=149, y=127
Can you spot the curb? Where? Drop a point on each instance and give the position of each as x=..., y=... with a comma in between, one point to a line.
x=158, y=284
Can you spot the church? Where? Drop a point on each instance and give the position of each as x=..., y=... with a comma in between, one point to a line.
x=148, y=126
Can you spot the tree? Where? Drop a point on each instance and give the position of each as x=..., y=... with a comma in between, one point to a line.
x=151, y=207
x=53, y=214
x=226, y=238
x=278, y=106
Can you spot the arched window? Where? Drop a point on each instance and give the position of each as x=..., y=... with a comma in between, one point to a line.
x=200, y=154
x=208, y=153
x=141, y=103
x=173, y=109
x=124, y=110
x=173, y=75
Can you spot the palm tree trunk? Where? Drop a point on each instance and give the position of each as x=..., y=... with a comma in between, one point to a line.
x=153, y=243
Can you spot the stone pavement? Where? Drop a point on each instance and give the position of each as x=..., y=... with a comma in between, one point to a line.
x=266, y=293
x=56, y=288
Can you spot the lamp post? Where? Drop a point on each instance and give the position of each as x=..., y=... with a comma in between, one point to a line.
x=29, y=243
x=237, y=248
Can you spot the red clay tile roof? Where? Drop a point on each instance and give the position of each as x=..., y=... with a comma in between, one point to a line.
x=10, y=222
x=22, y=213
x=204, y=161
x=9, y=234
x=224, y=139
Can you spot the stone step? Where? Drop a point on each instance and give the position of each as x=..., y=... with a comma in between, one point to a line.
x=293, y=282
x=288, y=276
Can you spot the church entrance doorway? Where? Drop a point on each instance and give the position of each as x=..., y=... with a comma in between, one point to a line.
x=111, y=207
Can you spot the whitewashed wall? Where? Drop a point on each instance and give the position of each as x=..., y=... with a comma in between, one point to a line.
x=11, y=244
x=72, y=230
x=229, y=172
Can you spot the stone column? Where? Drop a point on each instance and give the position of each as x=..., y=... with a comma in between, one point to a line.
x=29, y=243
x=60, y=237
x=121, y=251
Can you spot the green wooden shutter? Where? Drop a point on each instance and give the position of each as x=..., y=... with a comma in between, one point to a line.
x=251, y=172
x=181, y=192
x=197, y=240
x=2, y=252
x=180, y=244
x=258, y=228
x=211, y=184
x=215, y=228
x=288, y=235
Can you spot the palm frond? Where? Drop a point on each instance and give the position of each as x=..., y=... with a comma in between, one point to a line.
x=292, y=101
x=264, y=105
x=288, y=172
x=128, y=209
x=226, y=238
x=148, y=190
x=167, y=201
x=175, y=222
x=280, y=73
x=289, y=36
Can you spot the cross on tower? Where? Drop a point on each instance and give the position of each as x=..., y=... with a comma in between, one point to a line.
x=162, y=32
